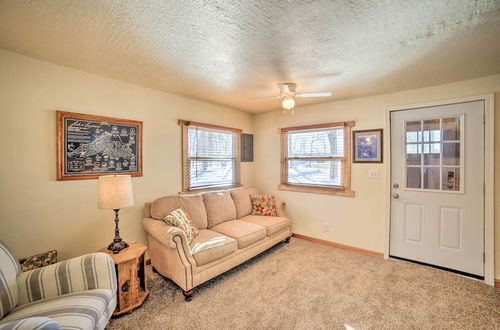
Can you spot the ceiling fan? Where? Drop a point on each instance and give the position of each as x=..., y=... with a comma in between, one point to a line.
x=288, y=95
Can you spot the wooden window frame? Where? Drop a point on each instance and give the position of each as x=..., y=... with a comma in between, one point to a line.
x=345, y=189
x=185, y=156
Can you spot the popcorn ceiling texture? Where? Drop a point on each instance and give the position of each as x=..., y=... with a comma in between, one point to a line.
x=228, y=51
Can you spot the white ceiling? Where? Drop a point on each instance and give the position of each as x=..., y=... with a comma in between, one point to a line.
x=226, y=52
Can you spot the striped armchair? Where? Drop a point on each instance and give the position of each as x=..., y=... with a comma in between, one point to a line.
x=79, y=293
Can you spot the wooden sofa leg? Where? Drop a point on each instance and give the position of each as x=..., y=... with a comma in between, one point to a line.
x=188, y=295
x=287, y=240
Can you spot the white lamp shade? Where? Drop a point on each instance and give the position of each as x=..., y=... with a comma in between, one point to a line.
x=115, y=192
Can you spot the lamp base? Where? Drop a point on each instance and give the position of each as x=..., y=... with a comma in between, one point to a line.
x=117, y=245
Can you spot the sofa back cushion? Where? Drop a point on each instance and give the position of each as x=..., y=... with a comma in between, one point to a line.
x=242, y=200
x=9, y=269
x=220, y=207
x=193, y=205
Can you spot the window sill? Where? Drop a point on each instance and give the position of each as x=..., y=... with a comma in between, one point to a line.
x=205, y=190
x=317, y=190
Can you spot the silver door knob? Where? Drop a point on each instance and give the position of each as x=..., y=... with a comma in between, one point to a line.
x=395, y=196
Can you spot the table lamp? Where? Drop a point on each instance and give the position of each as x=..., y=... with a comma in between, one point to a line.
x=115, y=193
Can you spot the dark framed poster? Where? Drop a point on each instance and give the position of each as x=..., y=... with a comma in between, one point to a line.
x=89, y=146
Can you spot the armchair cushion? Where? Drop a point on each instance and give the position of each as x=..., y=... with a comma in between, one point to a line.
x=272, y=224
x=83, y=310
x=91, y=271
x=9, y=270
x=29, y=323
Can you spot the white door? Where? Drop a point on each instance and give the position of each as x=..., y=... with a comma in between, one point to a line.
x=437, y=202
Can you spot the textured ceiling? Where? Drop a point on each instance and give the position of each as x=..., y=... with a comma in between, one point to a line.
x=226, y=52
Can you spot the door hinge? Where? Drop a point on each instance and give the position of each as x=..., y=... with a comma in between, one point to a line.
x=484, y=187
x=484, y=118
x=484, y=257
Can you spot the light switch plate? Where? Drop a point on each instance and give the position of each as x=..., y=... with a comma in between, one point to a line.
x=373, y=174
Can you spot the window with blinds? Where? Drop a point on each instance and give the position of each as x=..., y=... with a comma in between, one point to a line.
x=211, y=156
x=316, y=158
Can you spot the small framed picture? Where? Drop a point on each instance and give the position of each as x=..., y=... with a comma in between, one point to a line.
x=368, y=146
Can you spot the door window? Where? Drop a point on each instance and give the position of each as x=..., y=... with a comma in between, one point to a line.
x=434, y=154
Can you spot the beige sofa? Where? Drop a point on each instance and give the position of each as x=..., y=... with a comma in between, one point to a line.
x=228, y=236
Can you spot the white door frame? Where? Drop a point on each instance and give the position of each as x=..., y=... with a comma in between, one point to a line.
x=489, y=168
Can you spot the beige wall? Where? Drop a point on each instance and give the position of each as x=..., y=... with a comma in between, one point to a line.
x=358, y=221
x=37, y=212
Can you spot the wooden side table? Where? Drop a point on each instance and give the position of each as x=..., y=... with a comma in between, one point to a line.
x=130, y=267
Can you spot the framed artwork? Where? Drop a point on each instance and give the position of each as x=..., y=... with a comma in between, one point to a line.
x=89, y=146
x=368, y=146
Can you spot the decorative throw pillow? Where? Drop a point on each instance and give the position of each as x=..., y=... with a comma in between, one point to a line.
x=180, y=219
x=263, y=205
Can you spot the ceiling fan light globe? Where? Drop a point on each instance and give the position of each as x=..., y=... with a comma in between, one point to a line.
x=288, y=102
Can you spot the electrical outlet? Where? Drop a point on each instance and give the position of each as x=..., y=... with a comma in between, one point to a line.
x=373, y=174
x=326, y=227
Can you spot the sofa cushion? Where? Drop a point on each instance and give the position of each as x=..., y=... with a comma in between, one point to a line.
x=246, y=233
x=83, y=310
x=263, y=205
x=219, y=207
x=9, y=269
x=209, y=246
x=181, y=219
x=193, y=205
x=242, y=201
x=272, y=224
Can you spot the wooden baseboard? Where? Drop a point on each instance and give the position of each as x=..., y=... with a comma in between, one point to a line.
x=497, y=283
x=342, y=246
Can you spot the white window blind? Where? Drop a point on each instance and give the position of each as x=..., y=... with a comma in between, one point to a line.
x=315, y=156
x=211, y=157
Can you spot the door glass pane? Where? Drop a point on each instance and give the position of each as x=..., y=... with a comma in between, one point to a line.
x=431, y=130
x=413, y=131
x=413, y=178
x=451, y=178
x=413, y=154
x=451, y=129
x=431, y=177
x=451, y=153
x=432, y=153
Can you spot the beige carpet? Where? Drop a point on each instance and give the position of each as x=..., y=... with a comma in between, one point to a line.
x=305, y=285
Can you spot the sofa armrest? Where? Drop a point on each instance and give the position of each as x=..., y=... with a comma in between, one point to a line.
x=280, y=208
x=35, y=322
x=90, y=271
x=164, y=233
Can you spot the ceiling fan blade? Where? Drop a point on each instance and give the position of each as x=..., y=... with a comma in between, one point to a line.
x=320, y=94
x=264, y=98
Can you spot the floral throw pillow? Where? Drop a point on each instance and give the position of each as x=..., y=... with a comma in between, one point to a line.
x=181, y=219
x=263, y=205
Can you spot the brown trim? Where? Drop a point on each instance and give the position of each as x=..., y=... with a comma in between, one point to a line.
x=204, y=190
x=337, y=124
x=317, y=189
x=182, y=122
x=345, y=189
x=342, y=246
x=185, y=159
x=381, y=130
x=497, y=283
x=60, y=115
